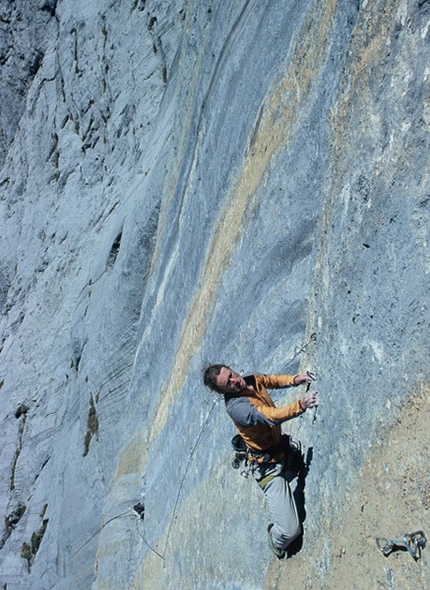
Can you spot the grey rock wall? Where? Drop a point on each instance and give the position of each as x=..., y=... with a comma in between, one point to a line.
x=23, y=41
x=197, y=182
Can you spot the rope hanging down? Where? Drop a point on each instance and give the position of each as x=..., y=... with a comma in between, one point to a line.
x=193, y=450
x=98, y=530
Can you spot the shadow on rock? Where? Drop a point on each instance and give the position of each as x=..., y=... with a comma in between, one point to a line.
x=300, y=466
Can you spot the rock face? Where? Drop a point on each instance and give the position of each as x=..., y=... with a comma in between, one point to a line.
x=183, y=182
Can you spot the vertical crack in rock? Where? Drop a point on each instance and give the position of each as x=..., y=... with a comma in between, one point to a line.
x=29, y=550
x=13, y=518
x=92, y=426
x=20, y=413
x=4, y=289
x=114, y=252
x=11, y=521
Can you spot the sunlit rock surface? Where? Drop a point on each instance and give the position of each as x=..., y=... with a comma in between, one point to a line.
x=191, y=182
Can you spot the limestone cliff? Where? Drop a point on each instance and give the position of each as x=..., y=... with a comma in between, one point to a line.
x=182, y=182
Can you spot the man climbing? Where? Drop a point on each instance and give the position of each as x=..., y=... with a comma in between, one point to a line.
x=258, y=421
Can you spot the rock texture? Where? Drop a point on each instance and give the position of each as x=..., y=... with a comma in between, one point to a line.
x=183, y=182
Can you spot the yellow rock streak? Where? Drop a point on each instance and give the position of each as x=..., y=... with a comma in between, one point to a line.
x=279, y=115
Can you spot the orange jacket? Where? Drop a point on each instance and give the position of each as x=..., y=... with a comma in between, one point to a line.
x=255, y=415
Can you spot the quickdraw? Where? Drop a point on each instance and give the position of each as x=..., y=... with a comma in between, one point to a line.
x=413, y=542
x=240, y=455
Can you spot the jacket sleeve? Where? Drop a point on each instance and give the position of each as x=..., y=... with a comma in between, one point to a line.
x=246, y=414
x=243, y=413
x=279, y=415
x=276, y=381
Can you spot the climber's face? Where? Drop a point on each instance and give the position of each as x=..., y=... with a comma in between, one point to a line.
x=230, y=382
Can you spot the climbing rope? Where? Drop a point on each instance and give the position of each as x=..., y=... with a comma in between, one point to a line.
x=140, y=517
x=98, y=530
x=139, y=511
x=298, y=351
x=193, y=450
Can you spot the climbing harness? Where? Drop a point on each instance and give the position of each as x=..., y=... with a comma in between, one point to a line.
x=243, y=455
x=413, y=542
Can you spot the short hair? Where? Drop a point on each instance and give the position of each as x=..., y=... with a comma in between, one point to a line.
x=210, y=375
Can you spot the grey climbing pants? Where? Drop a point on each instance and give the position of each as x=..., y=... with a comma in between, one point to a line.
x=282, y=507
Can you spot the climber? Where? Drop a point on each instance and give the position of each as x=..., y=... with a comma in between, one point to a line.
x=258, y=421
